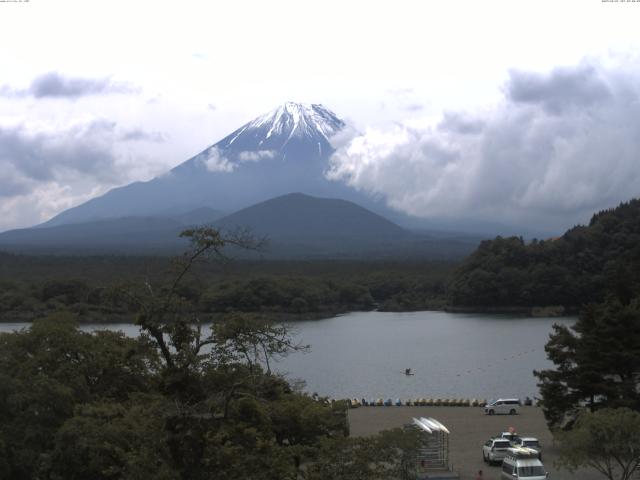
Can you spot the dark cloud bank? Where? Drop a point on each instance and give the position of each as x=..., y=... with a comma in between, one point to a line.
x=56, y=85
x=42, y=157
x=28, y=159
x=559, y=146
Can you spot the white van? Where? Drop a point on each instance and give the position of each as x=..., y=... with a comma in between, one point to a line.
x=503, y=406
x=529, y=442
x=523, y=464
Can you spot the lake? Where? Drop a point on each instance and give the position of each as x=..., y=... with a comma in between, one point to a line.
x=365, y=354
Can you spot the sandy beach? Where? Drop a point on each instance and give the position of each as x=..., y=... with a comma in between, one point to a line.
x=470, y=429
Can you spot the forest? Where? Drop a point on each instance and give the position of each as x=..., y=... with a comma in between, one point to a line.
x=181, y=401
x=580, y=267
x=31, y=286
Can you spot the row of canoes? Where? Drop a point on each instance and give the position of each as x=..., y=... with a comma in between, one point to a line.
x=430, y=402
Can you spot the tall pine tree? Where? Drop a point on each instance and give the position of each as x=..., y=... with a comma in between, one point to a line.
x=597, y=362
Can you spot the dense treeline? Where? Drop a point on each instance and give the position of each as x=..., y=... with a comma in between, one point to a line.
x=580, y=267
x=31, y=287
x=181, y=401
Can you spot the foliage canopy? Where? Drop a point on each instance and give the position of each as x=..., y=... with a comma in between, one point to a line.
x=597, y=362
x=582, y=266
x=181, y=401
x=607, y=440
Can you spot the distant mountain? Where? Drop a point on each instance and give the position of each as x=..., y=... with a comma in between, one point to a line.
x=298, y=225
x=295, y=225
x=198, y=216
x=299, y=216
x=282, y=151
x=150, y=235
x=285, y=150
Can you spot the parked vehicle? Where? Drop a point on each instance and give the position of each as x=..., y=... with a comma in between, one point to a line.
x=504, y=406
x=511, y=436
x=529, y=442
x=522, y=463
x=495, y=450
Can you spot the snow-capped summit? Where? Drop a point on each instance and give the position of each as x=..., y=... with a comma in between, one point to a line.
x=292, y=131
x=297, y=119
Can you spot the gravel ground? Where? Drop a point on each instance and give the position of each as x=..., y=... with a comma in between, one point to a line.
x=470, y=428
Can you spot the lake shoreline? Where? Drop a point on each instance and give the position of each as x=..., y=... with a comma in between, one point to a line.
x=205, y=318
x=535, y=311
x=286, y=317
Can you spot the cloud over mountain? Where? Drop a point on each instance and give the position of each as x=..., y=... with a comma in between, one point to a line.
x=558, y=146
x=43, y=170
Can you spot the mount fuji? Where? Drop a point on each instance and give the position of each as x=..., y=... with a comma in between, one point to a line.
x=269, y=175
x=286, y=150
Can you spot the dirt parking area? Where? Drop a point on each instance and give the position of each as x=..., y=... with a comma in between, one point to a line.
x=470, y=428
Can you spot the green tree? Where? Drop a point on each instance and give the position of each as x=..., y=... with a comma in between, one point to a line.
x=46, y=371
x=386, y=455
x=170, y=320
x=245, y=338
x=114, y=440
x=584, y=265
x=597, y=363
x=607, y=440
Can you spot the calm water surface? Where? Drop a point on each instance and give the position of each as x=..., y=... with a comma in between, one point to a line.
x=453, y=355
x=364, y=354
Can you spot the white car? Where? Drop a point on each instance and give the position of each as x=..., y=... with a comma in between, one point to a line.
x=523, y=464
x=495, y=450
x=504, y=406
x=529, y=442
x=511, y=436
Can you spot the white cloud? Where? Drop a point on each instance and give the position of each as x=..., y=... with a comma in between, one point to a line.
x=214, y=161
x=142, y=135
x=558, y=146
x=46, y=168
x=250, y=156
x=42, y=202
x=47, y=154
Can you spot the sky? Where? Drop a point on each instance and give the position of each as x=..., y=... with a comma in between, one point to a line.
x=513, y=112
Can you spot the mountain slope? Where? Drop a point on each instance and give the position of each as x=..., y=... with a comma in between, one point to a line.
x=285, y=130
x=301, y=226
x=299, y=216
x=285, y=150
x=282, y=151
x=198, y=216
x=148, y=235
x=295, y=225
